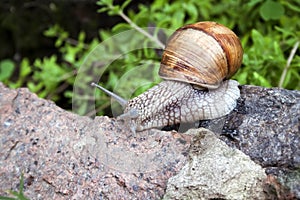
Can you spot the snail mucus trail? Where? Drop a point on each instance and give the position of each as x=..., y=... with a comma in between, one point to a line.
x=196, y=64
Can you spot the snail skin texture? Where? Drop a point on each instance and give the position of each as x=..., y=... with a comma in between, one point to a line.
x=173, y=102
x=196, y=64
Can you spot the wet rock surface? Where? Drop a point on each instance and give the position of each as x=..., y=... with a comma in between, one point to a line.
x=66, y=156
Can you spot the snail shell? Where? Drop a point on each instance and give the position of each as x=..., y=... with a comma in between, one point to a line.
x=204, y=54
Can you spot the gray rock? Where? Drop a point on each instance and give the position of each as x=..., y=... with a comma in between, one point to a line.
x=216, y=171
x=266, y=126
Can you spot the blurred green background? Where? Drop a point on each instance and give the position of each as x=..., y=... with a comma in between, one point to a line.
x=44, y=43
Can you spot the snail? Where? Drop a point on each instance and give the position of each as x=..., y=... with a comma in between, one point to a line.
x=196, y=65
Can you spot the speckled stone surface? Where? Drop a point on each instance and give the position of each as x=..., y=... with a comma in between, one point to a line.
x=266, y=126
x=66, y=156
x=216, y=171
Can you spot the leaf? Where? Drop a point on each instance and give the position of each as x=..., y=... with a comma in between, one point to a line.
x=121, y=27
x=51, y=32
x=21, y=183
x=7, y=68
x=271, y=10
x=81, y=36
x=115, y=10
x=70, y=53
x=278, y=52
x=104, y=35
x=104, y=2
x=192, y=11
x=252, y=3
x=287, y=78
x=19, y=195
x=25, y=68
x=263, y=81
x=58, y=42
x=258, y=39
x=242, y=77
x=113, y=79
x=291, y=6
x=6, y=198
x=101, y=10
x=34, y=88
x=125, y=4
x=68, y=94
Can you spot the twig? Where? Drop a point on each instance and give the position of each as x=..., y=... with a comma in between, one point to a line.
x=133, y=25
x=288, y=63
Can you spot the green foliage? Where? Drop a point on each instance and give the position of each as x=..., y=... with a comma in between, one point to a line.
x=6, y=69
x=268, y=30
x=271, y=10
x=50, y=76
x=17, y=195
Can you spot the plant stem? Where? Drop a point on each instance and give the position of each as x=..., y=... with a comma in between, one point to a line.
x=288, y=63
x=139, y=29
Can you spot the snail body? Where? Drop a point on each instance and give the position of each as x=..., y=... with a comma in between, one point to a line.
x=174, y=102
x=196, y=63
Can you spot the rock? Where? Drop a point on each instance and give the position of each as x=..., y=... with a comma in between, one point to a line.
x=66, y=156
x=216, y=171
x=266, y=126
